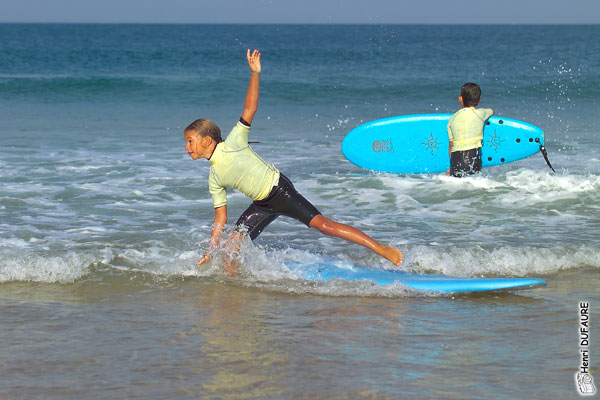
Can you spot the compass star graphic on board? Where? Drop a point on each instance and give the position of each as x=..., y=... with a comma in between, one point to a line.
x=431, y=143
x=495, y=141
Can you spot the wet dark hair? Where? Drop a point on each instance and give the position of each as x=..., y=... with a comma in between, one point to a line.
x=471, y=94
x=205, y=127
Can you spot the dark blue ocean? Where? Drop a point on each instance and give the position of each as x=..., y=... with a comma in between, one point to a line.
x=103, y=215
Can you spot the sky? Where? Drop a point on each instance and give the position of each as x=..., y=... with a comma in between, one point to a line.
x=304, y=11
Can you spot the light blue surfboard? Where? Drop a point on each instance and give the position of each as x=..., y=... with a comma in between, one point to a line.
x=422, y=282
x=414, y=144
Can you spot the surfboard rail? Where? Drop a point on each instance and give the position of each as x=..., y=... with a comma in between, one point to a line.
x=324, y=272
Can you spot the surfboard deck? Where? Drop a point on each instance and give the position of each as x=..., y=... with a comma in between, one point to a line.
x=422, y=282
x=414, y=144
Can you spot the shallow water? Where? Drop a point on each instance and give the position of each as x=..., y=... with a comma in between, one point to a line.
x=103, y=215
x=133, y=336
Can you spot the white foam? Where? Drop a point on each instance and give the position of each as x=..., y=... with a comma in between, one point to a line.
x=37, y=268
x=88, y=230
x=266, y=268
x=502, y=261
x=84, y=168
x=398, y=209
x=544, y=182
x=14, y=242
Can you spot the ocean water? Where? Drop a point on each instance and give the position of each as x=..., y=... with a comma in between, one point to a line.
x=103, y=215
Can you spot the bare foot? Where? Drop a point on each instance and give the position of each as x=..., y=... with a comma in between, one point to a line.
x=392, y=254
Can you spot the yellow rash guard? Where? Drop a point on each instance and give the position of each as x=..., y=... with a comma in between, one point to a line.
x=234, y=164
x=465, y=128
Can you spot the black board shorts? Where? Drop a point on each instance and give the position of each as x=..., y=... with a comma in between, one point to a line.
x=466, y=162
x=284, y=199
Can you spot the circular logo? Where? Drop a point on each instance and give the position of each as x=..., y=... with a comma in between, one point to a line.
x=377, y=146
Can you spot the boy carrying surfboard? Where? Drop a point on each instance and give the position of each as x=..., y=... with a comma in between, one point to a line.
x=235, y=164
x=465, y=132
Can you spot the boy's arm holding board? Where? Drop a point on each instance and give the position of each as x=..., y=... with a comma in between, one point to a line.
x=250, y=107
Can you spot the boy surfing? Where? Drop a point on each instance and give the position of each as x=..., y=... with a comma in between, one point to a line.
x=234, y=164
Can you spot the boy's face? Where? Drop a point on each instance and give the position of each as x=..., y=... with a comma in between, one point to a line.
x=196, y=145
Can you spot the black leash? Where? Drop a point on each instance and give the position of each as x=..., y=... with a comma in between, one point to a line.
x=544, y=153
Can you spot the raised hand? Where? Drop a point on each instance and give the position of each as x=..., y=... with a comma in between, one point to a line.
x=254, y=61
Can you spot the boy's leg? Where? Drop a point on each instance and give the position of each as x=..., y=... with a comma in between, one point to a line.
x=254, y=220
x=463, y=163
x=230, y=261
x=251, y=223
x=458, y=167
x=285, y=200
x=476, y=160
x=332, y=228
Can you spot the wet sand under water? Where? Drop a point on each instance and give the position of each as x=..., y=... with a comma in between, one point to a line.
x=120, y=335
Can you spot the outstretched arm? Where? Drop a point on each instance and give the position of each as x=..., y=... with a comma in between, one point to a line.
x=218, y=228
x=251, y=103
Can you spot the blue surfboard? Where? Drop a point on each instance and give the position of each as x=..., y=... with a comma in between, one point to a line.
x=422, y=282
x=414, y=144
